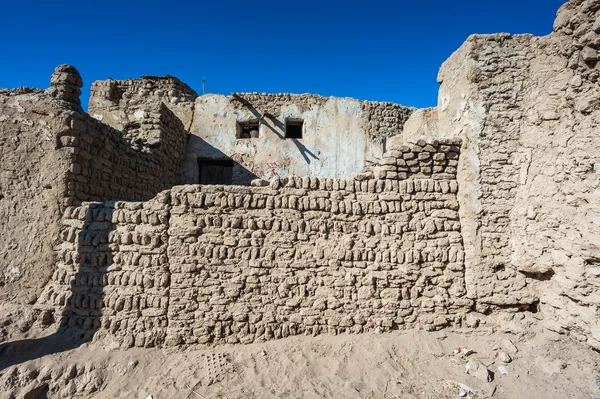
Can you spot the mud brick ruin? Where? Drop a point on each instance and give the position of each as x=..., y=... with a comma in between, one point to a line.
x=164, y=218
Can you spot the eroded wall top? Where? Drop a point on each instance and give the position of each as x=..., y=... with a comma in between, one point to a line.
x=54, y=155
x=120, y=103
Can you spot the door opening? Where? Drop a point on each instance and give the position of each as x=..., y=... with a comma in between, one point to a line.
x=215, y=171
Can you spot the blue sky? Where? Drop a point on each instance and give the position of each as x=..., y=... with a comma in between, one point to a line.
x=375, y=50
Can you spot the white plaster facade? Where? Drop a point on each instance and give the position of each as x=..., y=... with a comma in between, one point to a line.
x=335, y=142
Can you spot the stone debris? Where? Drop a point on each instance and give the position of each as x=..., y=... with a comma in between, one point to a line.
x=259, y=183
x=478, y=370
x=504, y=357
x=463, y=351
x=465, y=391
x=509, y=349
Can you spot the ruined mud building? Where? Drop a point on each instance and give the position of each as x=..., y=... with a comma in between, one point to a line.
x=138, y=219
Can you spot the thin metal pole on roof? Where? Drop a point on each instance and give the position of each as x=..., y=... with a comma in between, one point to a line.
x=203, y=80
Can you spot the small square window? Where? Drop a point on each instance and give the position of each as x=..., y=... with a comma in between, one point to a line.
x=293, y=129
x=247, y=130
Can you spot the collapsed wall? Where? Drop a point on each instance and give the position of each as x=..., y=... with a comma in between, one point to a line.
x=119, y=103
x=202, y=264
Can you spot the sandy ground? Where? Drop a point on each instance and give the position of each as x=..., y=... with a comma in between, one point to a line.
x=407, y=364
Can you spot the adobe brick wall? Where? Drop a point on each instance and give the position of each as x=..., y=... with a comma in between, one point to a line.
x=54, y=155
x=220, y=264
x=131, y=165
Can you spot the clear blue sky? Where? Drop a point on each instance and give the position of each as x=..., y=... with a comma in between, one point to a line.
x=370, y=49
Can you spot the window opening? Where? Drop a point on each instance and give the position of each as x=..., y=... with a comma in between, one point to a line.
x=293, y=129
x=247, y=130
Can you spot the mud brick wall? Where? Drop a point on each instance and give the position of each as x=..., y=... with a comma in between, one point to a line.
x=131, y=165
x=112, y=275
x=435, y=160
x=385, y=119
x=200, y=264
x=317, y=255
x=483, y=98
x=165, y=87
x=115, y=102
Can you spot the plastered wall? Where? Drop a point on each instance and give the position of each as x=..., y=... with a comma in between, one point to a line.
x=32, y=184
x=340, y=135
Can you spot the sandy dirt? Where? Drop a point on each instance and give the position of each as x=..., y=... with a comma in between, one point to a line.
x=405, y=364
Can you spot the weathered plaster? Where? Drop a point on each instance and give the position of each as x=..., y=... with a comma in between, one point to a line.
x=335, y=142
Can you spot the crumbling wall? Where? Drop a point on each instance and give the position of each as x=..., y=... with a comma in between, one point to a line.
x=132, y=165
x=340, y=135
x=318, y=255
x=119, y=103
x=526, y=110
x=325, y=252
x=481, y=100
x=54, y=155
x=500, y=70
x=556, y=223
x=112, y=273
x=241, y=264
x=385, y=119
x=32, y=186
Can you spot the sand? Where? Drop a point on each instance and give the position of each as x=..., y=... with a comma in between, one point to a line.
x=403, y=364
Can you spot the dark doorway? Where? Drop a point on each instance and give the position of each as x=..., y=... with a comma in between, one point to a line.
x=213, y=171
